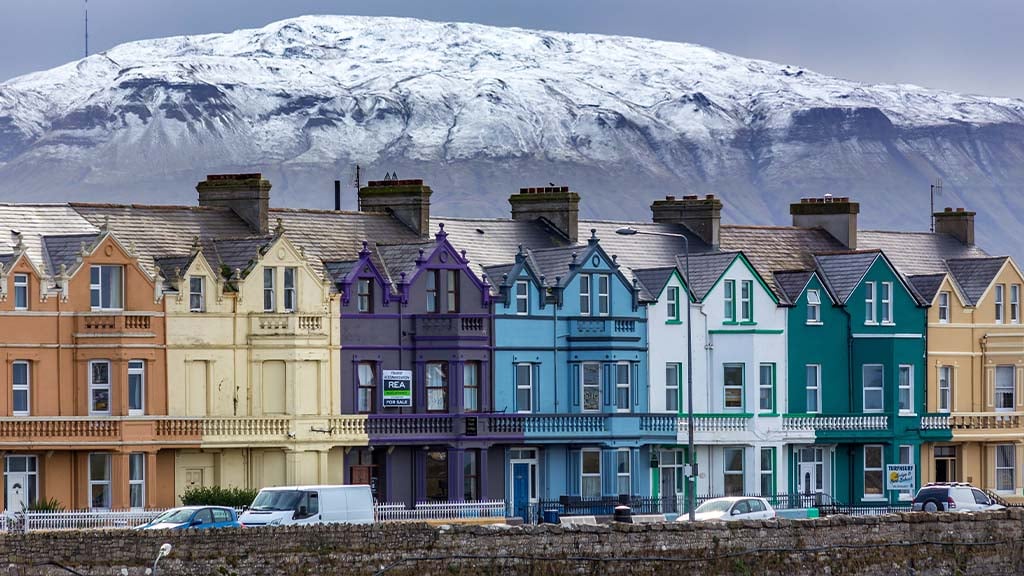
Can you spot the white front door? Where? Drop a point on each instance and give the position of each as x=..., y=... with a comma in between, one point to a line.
x=809, y=478
x=17, y=491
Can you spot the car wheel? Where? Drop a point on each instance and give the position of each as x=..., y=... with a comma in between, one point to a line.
x=931, y=506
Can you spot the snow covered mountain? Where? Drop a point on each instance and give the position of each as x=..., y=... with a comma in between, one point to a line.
x=480, y=111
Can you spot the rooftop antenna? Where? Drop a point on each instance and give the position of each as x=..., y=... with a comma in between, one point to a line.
x=358, y=180
x=935, y=189
x=86, y=28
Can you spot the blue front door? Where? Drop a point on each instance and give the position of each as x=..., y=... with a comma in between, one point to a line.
x=521, y=490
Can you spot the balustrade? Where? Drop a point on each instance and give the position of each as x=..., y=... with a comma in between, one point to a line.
x=837, y=423
x=449, y=326
x=287, y=325
x=985, y=420
x=715, y=423
x=113, y=323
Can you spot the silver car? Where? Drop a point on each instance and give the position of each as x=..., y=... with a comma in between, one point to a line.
x=952, y=497
x=732, y=508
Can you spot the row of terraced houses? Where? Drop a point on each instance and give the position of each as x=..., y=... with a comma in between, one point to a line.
x=146, y=349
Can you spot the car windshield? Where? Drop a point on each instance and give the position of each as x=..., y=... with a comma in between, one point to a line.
x=277, y=500
x=176, y=516
x=714, y=506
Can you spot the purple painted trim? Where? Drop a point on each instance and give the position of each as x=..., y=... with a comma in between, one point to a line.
x=442, y=243
x=443, y=338
x=413, y=348
x=356, y=272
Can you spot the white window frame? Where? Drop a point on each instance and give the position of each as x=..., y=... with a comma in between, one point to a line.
x=137, y=368
x=107, y=482
x=1000, y=301
x=770, y=386
x=526, y=387
x=193, y=294
x=726, y=472
x=672, y=302
x=813, y=307
x=585, y=286
x=99, y=289
x=584, y=475
x=137, y=486
x=623, y=386
x=366, y=390
x=908, y=387
x=93, y=387
x=364, y=299
x=621, y=475
x=604, y=294
x=522, y=297
x=887, y=305
x=746, y=301
x=729, y=300
x=816, y=388
x=742, y=386
x=23, y=387
x=865, y=389
x=584, y=386
x=1002, y=390
x=672, y=386
x=291, y=293
x=767, y=457
x=880, y=471
x=269, y=289
x=21, y=292
x=944, y=307
x=1015, y=304
x=1002, y=466
x=869, y=304
x=945, y=388
x=906, y=456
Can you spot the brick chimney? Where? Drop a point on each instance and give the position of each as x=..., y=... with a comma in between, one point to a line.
x=702, y=216
x=957, y=223
x=837, y=215
x=408, y=201
x=555, y=204
x=248, y=196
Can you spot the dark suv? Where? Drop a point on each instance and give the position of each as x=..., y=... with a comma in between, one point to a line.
x=952, y=497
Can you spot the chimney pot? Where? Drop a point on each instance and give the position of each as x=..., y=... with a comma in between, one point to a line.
x=959, y=209
x=670, y=198
x=709, y=197
x=693, y=197
x=948, y=209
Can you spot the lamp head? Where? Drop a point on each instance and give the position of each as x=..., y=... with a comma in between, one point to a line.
x=165, y=549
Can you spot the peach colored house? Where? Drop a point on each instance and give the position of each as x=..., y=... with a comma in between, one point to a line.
x=83, y=414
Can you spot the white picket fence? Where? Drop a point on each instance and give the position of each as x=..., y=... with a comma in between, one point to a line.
x=386, y=512
x=113, y=519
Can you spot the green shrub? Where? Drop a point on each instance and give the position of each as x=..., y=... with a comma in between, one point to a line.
x=48, y=505
x=218, y=496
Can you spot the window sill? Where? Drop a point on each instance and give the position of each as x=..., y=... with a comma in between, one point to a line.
x=907, y=413
x=767, y=414
x=730, y=323
x=873, y=498
x=868, y=323
x=888, y=324
x=748, y=323
x=673, y=321
x=815, y=323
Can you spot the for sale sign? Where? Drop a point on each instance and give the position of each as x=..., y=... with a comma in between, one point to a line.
x=899, y=477
x=398, y=389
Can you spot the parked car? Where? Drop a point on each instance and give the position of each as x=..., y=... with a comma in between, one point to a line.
x=732, y=508
x=200, y=517
x=952, y=497
x=288, y=505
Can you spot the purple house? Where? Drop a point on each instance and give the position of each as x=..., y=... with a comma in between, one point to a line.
x=416, y=354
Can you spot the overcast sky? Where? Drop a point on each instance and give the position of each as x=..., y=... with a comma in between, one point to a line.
x=971, y=46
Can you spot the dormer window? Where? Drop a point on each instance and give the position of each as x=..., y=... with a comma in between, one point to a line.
x=1000, y=303
x=269, y=303
x=729, y=300
x=522, y=297
x=869, y=303
x=813, y=307
x=943, y=307
x=431, y=291
x=604, y=305
x=289, y=289
x=364, y=295
x=106, y=287
x=747, y=301
x=887, y=303
x=673, y=303
x=452, y=290
x=584, y=295
x=196, y=294
x=1015, y=304
x=21, y=291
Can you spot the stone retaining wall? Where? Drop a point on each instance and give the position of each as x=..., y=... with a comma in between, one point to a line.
x=919, y=544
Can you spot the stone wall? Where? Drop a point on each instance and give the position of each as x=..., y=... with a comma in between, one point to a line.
x=918, y=544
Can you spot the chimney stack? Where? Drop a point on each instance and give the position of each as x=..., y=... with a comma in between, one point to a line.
x=408, y=201
x=957, y=223
x=702, y=216
x=248, y=196
x=837, y=215
x=555, y=204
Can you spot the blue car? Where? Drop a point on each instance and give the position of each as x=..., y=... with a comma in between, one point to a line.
x=200, y=517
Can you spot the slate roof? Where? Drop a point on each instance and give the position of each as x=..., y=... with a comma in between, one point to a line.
x=338, y=270
x=170, y=266
x=844, y=271
x=399, y=258
x=778, y=248
x=653, y=280
x=791, y=283
x=34, y=221
x=65, y=250
x=495, y=273
x=975, y=275
x=6, y=260
x=553, y=263
x=927, y=285
x=917, y=253
x=706, y=269
x=236, y=253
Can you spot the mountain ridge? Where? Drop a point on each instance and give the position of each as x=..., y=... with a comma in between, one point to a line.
x=480, y=111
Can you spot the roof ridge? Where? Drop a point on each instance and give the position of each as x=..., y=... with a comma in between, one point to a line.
x=772, y=227
x=147, y=206
x=849, y=252
x=976, y=259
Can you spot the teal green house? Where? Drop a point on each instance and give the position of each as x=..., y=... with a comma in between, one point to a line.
x=857, y=342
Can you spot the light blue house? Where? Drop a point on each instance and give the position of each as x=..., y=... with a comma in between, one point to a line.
x=570, y=355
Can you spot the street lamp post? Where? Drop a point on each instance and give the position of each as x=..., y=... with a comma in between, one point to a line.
x=691, y=480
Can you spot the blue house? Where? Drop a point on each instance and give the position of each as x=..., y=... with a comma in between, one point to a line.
x=570, y=357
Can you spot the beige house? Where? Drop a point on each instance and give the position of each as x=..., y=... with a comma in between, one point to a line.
x=976, y=373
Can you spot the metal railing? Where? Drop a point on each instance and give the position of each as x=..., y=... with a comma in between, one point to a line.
x=387, y=512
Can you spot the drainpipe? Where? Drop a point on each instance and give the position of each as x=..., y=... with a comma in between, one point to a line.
x=849, y=357
x=554, y=345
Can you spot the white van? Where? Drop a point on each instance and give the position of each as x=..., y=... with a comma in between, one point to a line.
x=295, y=505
